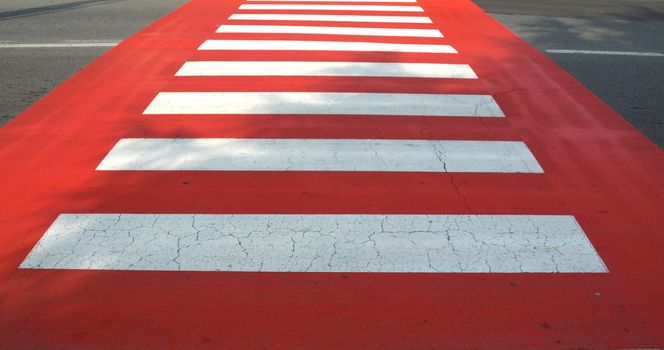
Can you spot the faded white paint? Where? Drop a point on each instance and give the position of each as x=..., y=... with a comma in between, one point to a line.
x=384, y=8
x=320, y=155
x=325, y=103
x=328, y=18
x=607, y=53
x=61, y=45
x=355, y=69
x=368, y=1
x=307, y=45
x=405, y=32
x=316, y=243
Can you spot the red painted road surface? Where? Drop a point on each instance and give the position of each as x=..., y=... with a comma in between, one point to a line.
x=597, y=168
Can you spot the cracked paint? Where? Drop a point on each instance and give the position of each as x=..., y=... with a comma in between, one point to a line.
x=321, y=155
x=316, y=243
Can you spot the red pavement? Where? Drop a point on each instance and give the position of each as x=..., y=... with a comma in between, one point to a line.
x=597, y=168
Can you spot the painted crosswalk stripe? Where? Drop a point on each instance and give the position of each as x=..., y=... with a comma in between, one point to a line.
x=306, y=45
x=198, y=154
x=405, y=32
x=342, y=103
x=366, y=69
x=329, y=18
x=367, y=1
x=317, y=243
x=384, y=8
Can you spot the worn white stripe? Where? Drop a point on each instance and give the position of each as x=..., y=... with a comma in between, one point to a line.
x=366, y=69
x=608, y=53
x=405, y=32
x=306, y=45
x=324, y=103
x=367, y=1
x=317, y=243
x=321, y=155
x=329, y=18
x=57, y=45
x=385, y=8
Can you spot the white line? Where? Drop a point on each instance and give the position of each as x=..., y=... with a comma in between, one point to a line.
x=324, y=103
x=306, y=45
x=331, y=18
x=320, y=155
x=609, y=53
x=317, y=243
x=332, y=7
x=401, y=1
x=355, y=69
x=58, y=45
x=405, y=32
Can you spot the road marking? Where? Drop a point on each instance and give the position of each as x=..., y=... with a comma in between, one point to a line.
x=366, y=69
x=386, y=1
x=57, y=45
x=384, y=8
x=330, y=18
x=406, y=32
x=306, y=45
x=610, y=53
x=324, y=103
x=198, y=154
x=317, y=243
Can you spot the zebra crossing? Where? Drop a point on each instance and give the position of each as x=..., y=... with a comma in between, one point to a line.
x=173, y=198
x=307, y=242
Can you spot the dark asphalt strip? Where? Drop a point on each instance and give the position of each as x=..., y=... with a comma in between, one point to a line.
x=633, y=10
x=41, y=10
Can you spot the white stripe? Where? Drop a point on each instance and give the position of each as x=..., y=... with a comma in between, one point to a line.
x=58, y=45
x=324, y=103
x=410, y=1
x=609, y=53
x=331, y=18
x=321, y=155
x=406, y=32
x=332, y=7
x=366, y=69
x=317, y=243
x=305, y=45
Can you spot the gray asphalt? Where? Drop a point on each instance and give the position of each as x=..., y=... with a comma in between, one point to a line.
x=28, y=74
x=632, y=85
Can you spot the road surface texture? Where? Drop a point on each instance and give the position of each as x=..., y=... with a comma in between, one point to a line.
x=632, y=85
x=27, y=74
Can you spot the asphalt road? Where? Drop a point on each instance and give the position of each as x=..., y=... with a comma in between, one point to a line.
x=26, y=74
x=630, y=84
